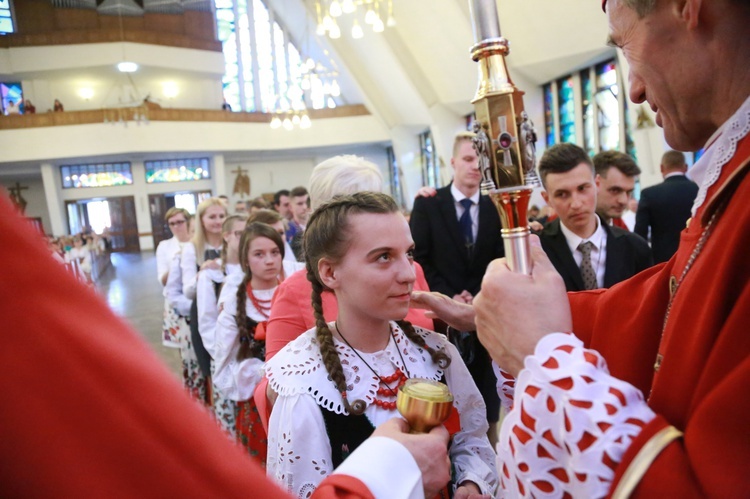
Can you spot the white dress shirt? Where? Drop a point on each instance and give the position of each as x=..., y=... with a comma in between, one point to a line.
x=598, y=253
x=458, y=196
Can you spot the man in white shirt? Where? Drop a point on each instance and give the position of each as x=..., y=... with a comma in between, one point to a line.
x=587, y=253
x=456, y=235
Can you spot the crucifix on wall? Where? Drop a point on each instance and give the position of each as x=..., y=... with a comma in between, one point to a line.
x=17, y=198
x=241, y=182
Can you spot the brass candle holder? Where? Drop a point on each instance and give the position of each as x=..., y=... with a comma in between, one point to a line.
x=424, y=403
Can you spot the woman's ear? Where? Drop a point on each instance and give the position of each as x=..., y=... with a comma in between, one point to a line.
x=327, y=273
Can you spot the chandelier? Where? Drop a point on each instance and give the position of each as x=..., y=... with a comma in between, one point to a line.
x=374, y=13
x=291, y=119
x=316, y=83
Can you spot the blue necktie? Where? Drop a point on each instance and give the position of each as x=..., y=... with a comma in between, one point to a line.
x=465, y=222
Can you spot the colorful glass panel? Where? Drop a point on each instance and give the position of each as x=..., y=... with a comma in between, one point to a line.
x=608, y=106
x=177, y=170
x=96, y=175
x=7, y=25
x=549, y=118
x=589, y=123
x=567, y=110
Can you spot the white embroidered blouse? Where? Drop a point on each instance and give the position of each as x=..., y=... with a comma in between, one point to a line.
x=299, y=450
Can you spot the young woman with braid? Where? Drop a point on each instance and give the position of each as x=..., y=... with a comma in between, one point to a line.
x=339, y=380
x=239, y=342
x=209, y=285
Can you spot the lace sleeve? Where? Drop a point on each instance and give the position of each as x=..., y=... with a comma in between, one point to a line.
x=570, y=424
x=299, y=452
x=235, y=379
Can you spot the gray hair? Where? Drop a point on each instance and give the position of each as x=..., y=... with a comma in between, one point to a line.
x=340, y=175
x=641, y=7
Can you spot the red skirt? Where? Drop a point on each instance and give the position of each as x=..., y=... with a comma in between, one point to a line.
x=250, y=432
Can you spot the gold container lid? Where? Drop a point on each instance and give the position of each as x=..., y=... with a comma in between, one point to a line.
x=427, y=389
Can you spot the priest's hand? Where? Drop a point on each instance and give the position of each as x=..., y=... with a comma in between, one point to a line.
x=430, y=451
x=454, y=313
x=469, y=490
x=514, y=311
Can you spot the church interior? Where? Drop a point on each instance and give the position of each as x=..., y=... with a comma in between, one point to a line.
x=300, y=85
x=396, y=95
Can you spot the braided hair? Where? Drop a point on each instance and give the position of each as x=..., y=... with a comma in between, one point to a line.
x=249, y=346
x=327, y=236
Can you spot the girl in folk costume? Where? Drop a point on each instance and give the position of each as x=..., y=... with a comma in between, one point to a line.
x=339, y=380
x=239, y=347
x=178, y=220
x=199, y=254
x=207, y=291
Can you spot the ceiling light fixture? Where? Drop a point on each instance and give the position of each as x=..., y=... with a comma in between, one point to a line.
x=364, y=12
x=127, y=67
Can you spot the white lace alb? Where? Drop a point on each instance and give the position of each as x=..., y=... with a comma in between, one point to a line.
x=707, y=169
x=570, y=423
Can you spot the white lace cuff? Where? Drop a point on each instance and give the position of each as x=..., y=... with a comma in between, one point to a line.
x=570, y=424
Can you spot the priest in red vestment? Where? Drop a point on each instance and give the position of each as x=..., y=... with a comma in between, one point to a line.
x=643, y=390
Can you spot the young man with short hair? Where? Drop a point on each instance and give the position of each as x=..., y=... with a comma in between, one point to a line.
x=586, y=251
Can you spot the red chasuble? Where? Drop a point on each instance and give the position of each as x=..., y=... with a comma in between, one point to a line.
x=702, y=385
x=90, y=411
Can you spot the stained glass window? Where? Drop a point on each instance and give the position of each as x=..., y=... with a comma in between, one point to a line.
x=587, y=101
x=96, y=175
x=549, y=117
x=265, y=56
x=11, y=92
x=264, y=71
x=395, y=177
x=430, y=172
x=608, y=106
x=177, y=170
x=245, y=56
x=629, y=142
x=567, y=109
x=225, y=25
x=7, y=25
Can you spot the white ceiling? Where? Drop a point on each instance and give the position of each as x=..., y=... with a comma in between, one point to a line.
x=424, y=60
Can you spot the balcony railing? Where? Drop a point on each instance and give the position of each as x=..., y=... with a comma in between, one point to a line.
x=152, y=113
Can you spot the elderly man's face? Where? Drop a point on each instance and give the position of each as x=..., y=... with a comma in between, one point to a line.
x=665, y=70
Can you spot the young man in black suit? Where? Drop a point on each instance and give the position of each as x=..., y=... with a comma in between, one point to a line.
x=665, y=208
x=456, y=235
x=587, y=252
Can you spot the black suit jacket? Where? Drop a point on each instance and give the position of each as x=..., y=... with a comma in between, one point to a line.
x=627, y=254
x=449, y=266
x=665, y=208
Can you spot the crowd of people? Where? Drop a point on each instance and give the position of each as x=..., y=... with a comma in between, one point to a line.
x=312, y=296
x=25, y=106
x=635, y=385
x=84, y=254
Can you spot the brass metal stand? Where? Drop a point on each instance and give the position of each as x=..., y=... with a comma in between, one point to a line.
x=505, y=138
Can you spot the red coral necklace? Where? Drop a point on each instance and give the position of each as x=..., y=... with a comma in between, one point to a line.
x=385, y=389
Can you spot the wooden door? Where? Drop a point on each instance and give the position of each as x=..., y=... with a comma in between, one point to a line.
x=124, y=227
x=159, y=204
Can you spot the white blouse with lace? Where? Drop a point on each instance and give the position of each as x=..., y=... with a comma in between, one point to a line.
x=569, y=425
x=299, y=450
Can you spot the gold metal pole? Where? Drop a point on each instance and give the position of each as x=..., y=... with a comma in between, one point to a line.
x=505, y=138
